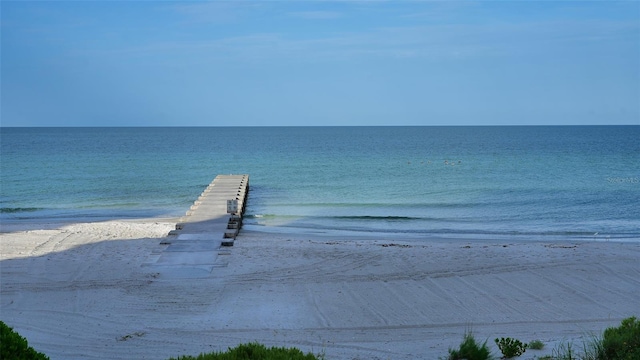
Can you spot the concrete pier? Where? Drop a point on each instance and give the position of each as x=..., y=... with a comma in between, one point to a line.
x=210, y=213
x=212, y=221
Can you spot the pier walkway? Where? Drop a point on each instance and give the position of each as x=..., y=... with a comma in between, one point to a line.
x=213, y=221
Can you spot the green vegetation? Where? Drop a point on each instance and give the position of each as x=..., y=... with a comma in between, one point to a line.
x=511, y=348
x=253, y=351
x=536, y=345
x=15, y=347
x=617, y=343
x=470, y=350
x=563, y=352
x=592, y=350
x=623, y=342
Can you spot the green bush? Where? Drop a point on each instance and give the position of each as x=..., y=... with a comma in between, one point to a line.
x=15, y=347
x=536, y=345
x=617, y=343
x=623, y=342
x=511, y=348
x=253, y=351
x=470, y=350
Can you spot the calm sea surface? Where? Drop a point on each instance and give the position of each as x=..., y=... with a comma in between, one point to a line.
x=570, y=182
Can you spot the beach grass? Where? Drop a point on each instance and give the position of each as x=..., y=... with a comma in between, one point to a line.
x=616, y=343
x=470, y=349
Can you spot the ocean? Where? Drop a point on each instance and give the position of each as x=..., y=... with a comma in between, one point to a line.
x=493, y=182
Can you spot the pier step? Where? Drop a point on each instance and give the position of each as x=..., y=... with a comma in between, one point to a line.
x=209, y=213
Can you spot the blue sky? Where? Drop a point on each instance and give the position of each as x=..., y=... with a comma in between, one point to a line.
x=219, y=63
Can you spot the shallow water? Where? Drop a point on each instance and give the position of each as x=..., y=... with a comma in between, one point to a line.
x=576, y=182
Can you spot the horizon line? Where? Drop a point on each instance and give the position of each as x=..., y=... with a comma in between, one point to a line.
x=301, y=126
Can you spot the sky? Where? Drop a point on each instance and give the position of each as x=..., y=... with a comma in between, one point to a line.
x=317, y=63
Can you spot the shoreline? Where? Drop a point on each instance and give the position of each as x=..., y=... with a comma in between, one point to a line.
x=85, y=285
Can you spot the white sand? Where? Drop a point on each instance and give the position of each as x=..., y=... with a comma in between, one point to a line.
x=81, y=292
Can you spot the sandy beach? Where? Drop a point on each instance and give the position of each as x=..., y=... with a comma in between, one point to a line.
x=85, y=291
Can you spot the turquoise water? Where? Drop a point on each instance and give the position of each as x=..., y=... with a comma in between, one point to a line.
x=464, y=182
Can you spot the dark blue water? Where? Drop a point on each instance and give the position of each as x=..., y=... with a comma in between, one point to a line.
x=469, y=182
